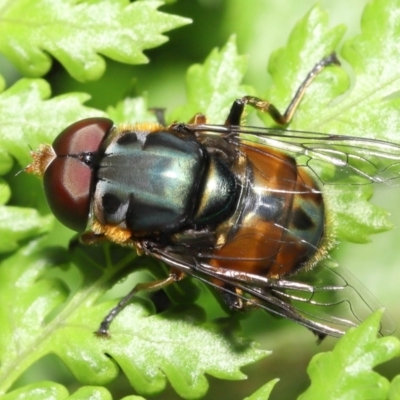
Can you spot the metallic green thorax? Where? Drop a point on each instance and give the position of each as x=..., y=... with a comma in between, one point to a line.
x=160, y=183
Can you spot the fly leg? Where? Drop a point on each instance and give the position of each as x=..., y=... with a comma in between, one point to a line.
x=236, y=112
x=88, y=238
x=174, y=276
x=234, y=299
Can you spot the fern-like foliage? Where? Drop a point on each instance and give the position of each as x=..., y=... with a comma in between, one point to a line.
x=52, y=298
x=78, y=33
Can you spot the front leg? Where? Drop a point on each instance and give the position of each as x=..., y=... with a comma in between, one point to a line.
x=236, y=112
x=174, y=276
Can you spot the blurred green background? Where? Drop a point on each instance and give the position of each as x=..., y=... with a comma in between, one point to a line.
x=261, y=26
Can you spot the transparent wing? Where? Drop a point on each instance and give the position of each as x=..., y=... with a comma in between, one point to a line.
x=368, y=159
x=326, y=300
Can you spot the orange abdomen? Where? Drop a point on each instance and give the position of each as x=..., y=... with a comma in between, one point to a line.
x=282, y=221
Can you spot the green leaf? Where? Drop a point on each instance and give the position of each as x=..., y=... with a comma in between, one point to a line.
x=5, y=192
x=29, y=117
x=90, y=392
x=211, y=87
x=50, y=390
x=19, y=223
x=75, y=33
x=2, y=83
x=264, y=392
x=310, y=40
x=56, y=306
x=6, y=162
x=347, y=371
x=368, y=108
x=25, y=301
x=394, y=390
x=364, y=111
x=131, y=110
x=354, y=218
x=38, y=391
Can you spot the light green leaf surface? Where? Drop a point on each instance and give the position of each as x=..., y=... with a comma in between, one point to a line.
x=5, y=191
x=18, y=223
x=212, y=86
x=91, y=392
x=347, y=371
x=361, y=111
x=78, y=34
x=311, y=39
x=394, y=390
x=29, y=117
x=264, y=392
x=57, y=315
x=53, y=391
x=39, y=391
x=54, y=313
x=131, y=110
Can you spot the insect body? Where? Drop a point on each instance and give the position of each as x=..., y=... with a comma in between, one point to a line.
x=228, y=204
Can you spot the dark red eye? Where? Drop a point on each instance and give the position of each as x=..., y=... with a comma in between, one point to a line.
x=68, y=178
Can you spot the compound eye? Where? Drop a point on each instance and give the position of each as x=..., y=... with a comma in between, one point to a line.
x=68, y=178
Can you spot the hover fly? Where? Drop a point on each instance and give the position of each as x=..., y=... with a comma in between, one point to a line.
x=239, y=207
